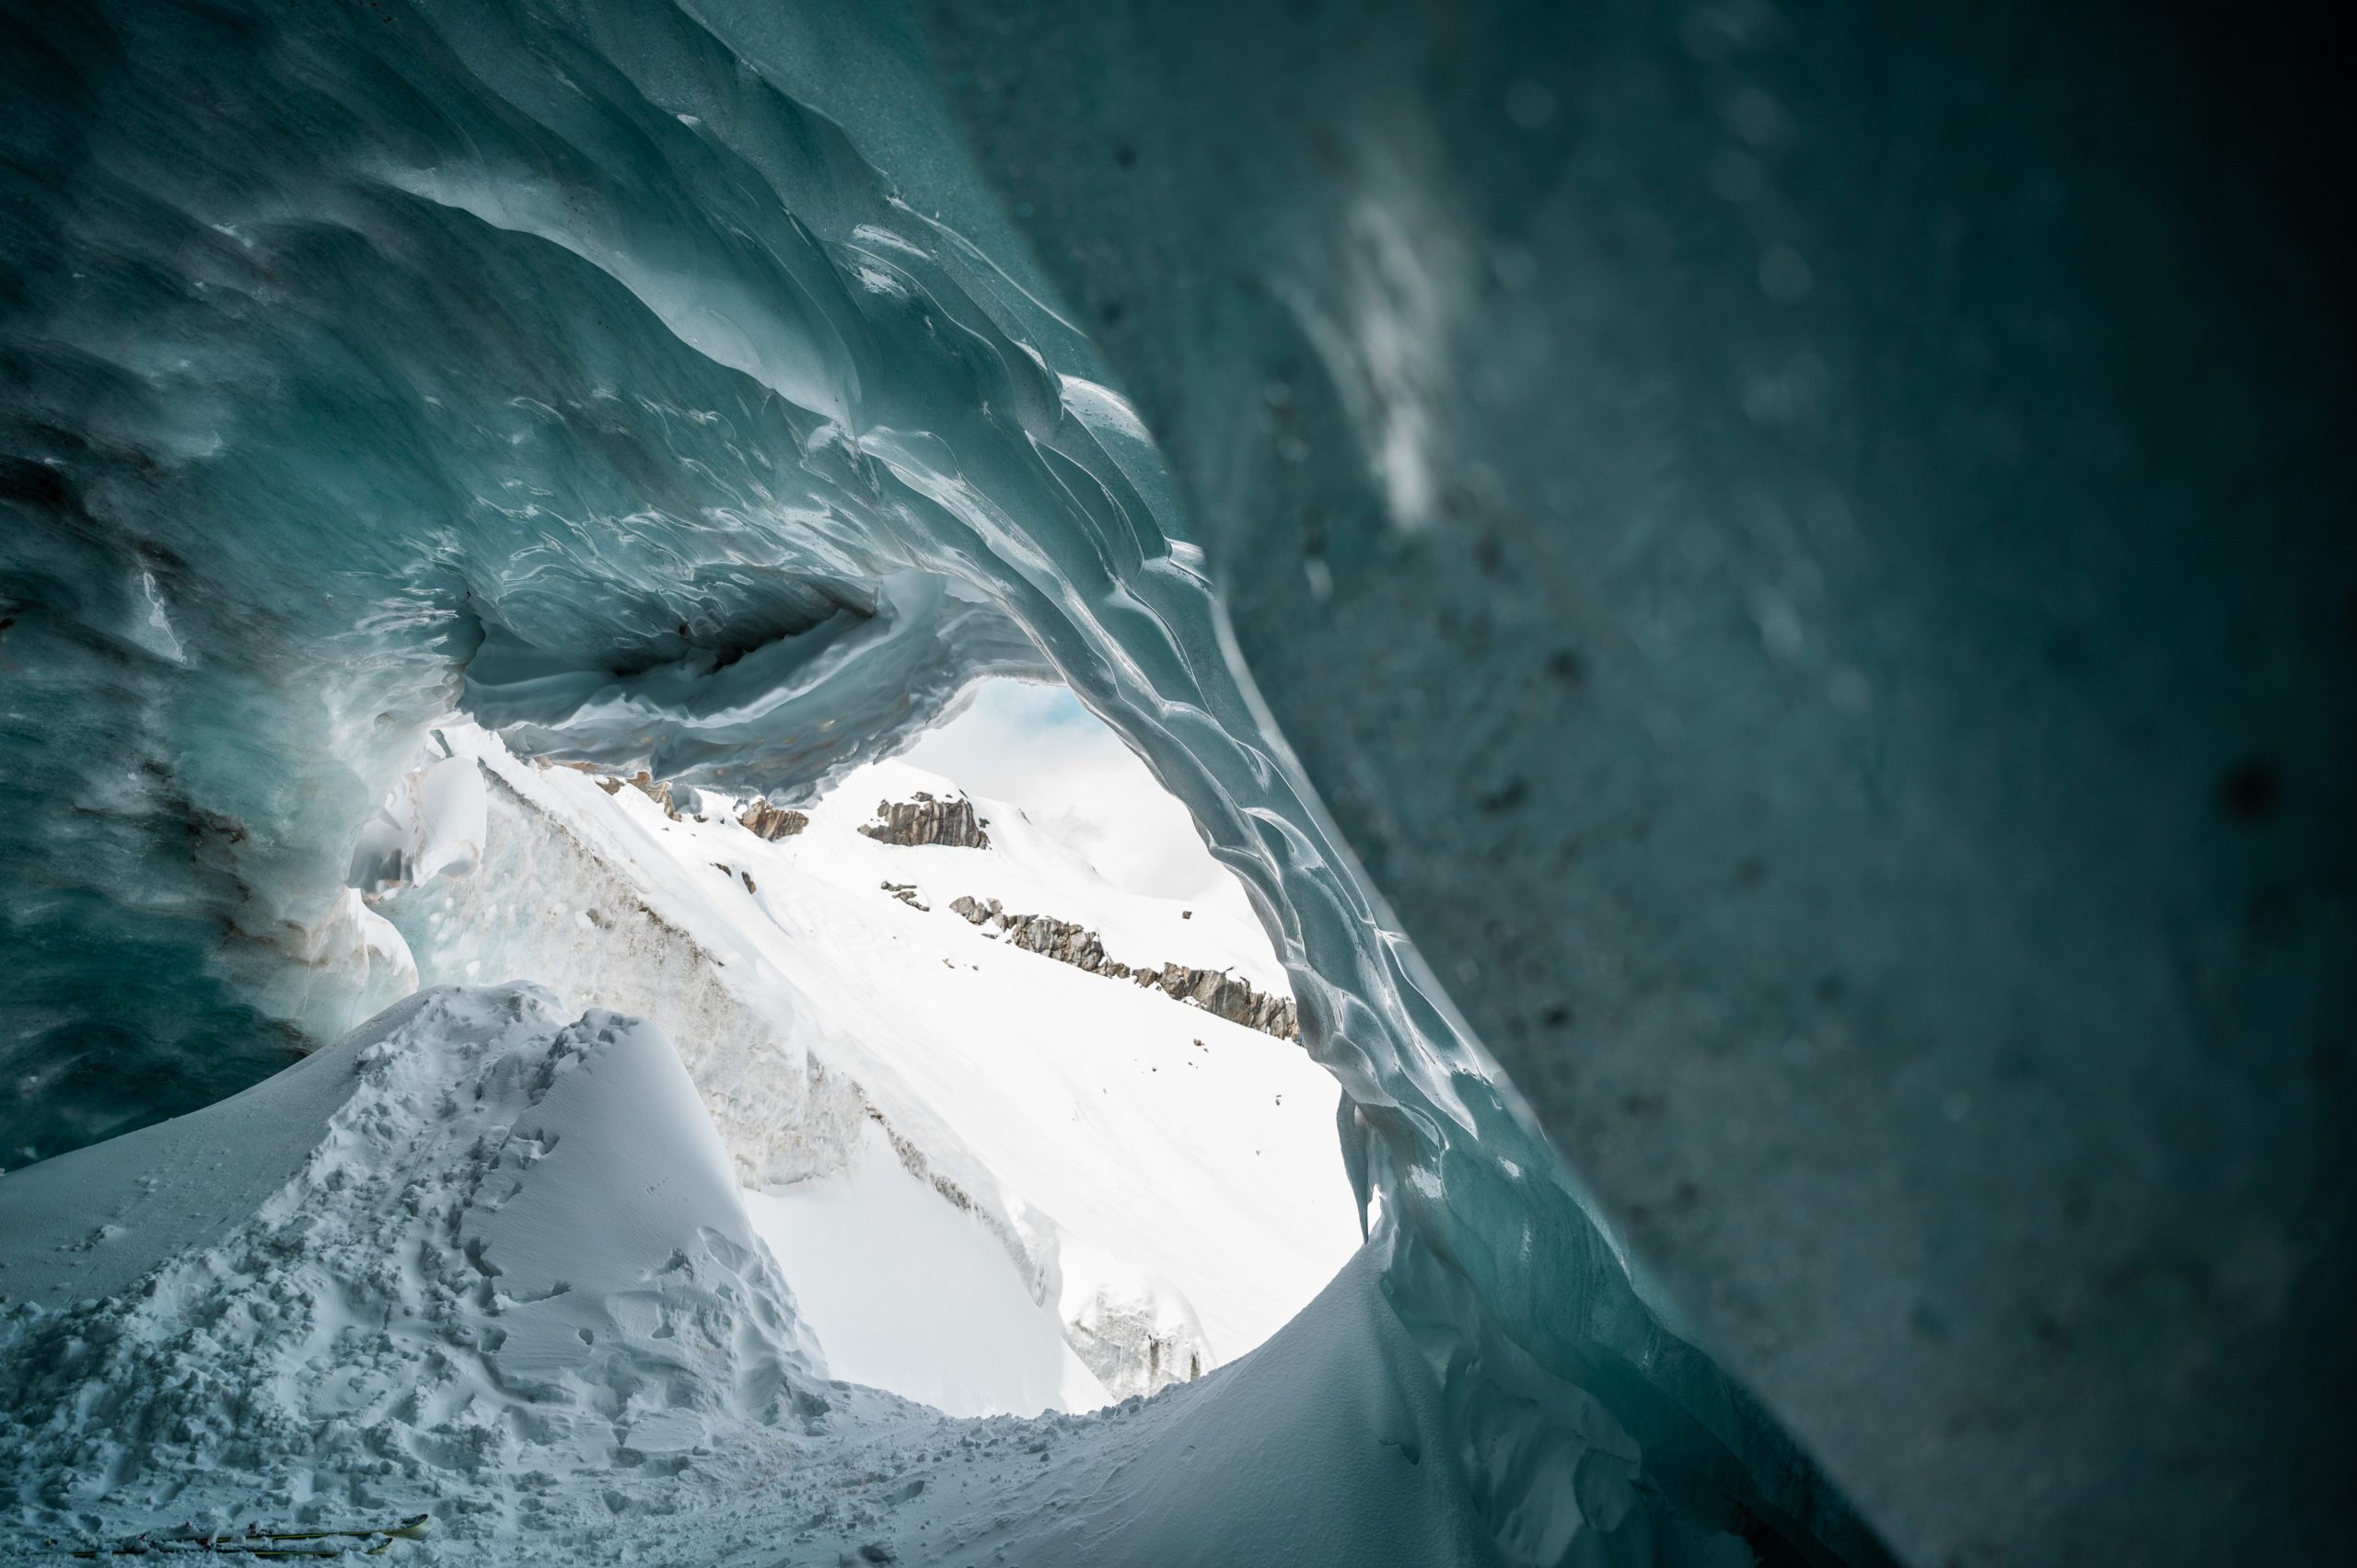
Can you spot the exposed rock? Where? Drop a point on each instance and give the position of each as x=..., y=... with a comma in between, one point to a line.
x=926, y=820
x=657, y=792
x=1067, y=941
x=774, y=822
x=1058, y=939
x=1227, y=996
x=906, y=892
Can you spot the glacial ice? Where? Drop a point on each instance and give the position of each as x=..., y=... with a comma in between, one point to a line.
x=557, y=363
x=1809, y=552
x=434, y=825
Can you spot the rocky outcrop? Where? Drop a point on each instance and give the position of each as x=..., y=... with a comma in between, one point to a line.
x=1214, y=991
x=907, y=893
x=773, y=822
x=1223, y=995
x=657, y=790
x=1045, y=934
x=928, y=821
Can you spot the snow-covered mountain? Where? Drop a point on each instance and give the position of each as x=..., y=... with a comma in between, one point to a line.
x=1009, y=1184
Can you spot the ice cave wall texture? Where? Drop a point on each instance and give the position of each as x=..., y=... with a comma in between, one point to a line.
x=1800, y=556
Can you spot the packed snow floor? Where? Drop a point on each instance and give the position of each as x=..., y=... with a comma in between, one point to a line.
x=486, y=1262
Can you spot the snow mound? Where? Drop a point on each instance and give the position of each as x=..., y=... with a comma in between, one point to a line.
x=1327, y=1447
x=506, y=1245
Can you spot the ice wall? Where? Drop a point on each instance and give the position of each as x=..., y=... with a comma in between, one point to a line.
x=437, y=362
x=1809, y=548
x=558, y=361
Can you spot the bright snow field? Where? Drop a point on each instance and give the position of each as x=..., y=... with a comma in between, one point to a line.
x=1001, y=1183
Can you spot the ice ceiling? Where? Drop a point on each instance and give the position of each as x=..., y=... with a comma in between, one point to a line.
x=676, y=387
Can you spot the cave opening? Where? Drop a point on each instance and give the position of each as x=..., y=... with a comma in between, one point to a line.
x=1009, y=1075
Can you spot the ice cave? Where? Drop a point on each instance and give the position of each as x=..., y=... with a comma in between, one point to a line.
x=1365, y=783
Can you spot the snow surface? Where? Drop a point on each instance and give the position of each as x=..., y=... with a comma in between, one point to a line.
x=479, y=1261
x=471, y=1244
x=508, y=1281
x=910, y=1295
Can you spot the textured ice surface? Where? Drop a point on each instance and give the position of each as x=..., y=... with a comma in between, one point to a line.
x=1808, y=549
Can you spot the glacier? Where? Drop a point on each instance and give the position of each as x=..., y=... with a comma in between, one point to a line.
x=1920, y=812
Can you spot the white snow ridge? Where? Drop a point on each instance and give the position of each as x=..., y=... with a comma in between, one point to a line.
x=506, y=1245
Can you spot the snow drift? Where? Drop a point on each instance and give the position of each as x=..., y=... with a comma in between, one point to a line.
x=471, y=1243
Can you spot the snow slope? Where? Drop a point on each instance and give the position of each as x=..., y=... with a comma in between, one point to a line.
x=1163, y=1184
x=911, y=1295
x=507, y=1282
x=469, y=1253
x=1212, y=1164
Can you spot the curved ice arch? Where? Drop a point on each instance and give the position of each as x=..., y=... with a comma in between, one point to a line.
x=792, y=713
x=522, y=357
